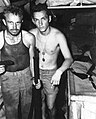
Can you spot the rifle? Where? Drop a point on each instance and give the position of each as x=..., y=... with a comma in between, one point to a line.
x=35, y=110
x=37, y=92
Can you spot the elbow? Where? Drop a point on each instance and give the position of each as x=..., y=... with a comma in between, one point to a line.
x=70, y=61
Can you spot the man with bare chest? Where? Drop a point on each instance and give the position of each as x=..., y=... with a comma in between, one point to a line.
x=49, y=41
x=16, y=45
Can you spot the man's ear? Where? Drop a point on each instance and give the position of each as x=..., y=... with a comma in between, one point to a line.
x=4, y=21
x=33, y=21
x=50, y=18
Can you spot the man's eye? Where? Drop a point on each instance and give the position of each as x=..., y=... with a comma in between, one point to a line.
x=35, y=20
x=43, y=18
x=10, y=22
x=19, y=23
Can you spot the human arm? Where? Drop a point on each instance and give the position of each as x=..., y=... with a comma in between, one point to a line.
x=67, y=58
x=2, y=67
x=29, y=41
x=35, y=60
x=31, y=54
x=32, y=58
x=32, y=63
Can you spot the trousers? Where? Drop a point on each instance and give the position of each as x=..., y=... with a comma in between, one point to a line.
x=17, y=87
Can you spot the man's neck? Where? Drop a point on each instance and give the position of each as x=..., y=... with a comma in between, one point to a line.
x=47, y=32
x=12, y=39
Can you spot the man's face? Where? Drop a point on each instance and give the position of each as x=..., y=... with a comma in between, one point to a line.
x=41, y=20
x=13, y=23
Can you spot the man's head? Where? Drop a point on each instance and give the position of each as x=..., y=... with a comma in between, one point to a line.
x=13, y=17
x=41, y=17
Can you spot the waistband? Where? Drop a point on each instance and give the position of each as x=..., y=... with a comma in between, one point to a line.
x=47, y=70
x=18, y=72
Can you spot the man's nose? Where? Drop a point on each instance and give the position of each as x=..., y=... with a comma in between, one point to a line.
x=40, y=22
x=15, y=26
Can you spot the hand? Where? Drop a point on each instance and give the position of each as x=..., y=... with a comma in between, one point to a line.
x=2, y=69
x=38, y=85
x=56, y=77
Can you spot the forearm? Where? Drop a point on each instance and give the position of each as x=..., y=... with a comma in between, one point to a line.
x=57, y=76
x=66, y=64
x=32, y=67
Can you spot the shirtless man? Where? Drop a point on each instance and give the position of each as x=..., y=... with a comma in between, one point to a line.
x=49, y=41
x=16, y=45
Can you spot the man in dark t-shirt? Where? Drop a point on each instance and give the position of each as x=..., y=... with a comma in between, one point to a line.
x=16, y=46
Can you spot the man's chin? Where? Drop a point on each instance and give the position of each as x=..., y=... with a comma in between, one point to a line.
x=14, y=33
x=42, y=30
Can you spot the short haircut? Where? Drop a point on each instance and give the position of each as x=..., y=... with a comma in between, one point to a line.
x=14, y=10
x=40, y=7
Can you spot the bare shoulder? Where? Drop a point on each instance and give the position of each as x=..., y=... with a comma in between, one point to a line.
x=27, y=35
x=59, y=36
x=1, y=39
x=58, y=32
x=34, y=31
x=28, y=38
x=1, y=33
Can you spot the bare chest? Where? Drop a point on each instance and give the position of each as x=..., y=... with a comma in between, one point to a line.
x=47, y=45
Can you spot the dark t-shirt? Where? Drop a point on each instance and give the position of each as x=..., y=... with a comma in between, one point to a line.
x=18, y=53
